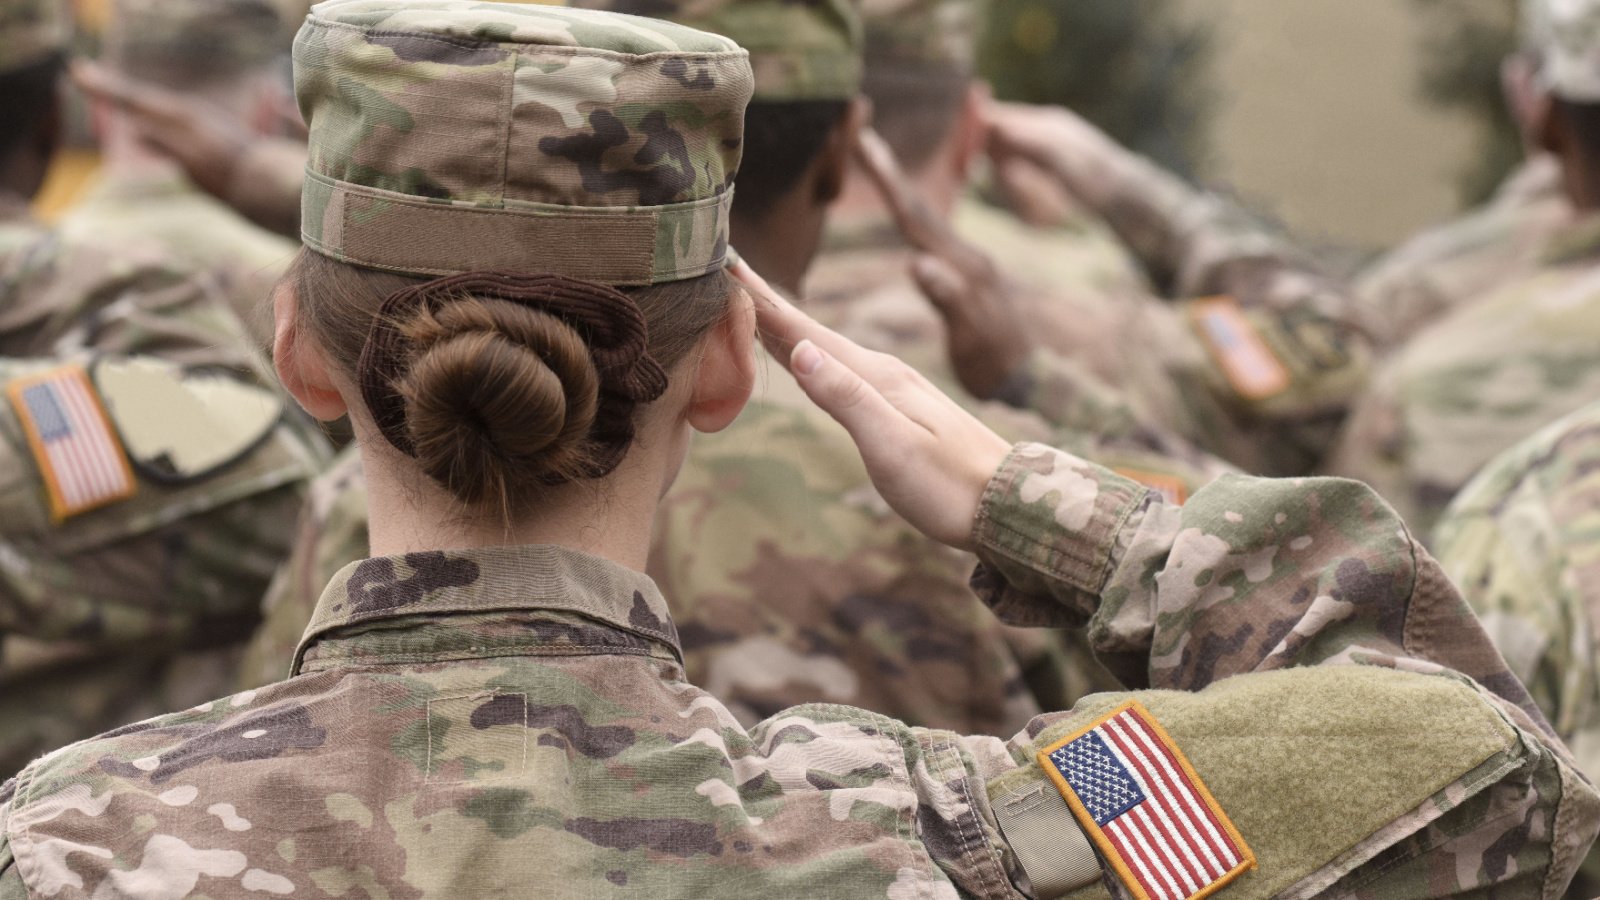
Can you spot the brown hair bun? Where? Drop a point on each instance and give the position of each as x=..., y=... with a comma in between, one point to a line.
x=498, y=383
x=496, y=391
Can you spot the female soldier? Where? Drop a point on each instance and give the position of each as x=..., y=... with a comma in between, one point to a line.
x=514, y=285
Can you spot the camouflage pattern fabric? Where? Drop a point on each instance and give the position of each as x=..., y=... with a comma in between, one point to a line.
x=443, y=715
x=809, y=50
x=1523, y=542
x=59, y=294
x=33, y=31
x=1570, y=63
x=1440, y=270
x=1478, y=381
x=163, y=207
x=110, y=615
x=601, y=147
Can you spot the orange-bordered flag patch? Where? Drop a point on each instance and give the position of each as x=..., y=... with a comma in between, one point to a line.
x=1250, y=365
x=1145, y=807
x=78, y=452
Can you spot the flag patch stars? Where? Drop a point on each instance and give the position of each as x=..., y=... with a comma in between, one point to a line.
x=1145, y=807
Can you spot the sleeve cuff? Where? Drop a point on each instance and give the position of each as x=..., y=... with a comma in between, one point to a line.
x=1049, y=532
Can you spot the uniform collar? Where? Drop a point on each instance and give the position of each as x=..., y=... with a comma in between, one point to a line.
x=491, y=580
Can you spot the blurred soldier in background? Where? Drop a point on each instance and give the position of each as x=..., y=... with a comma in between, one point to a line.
x=1523, y=542
x=1519, y=356
x=1522, y=539
x=222, y=56
x=136, y=497
x=1445, y=267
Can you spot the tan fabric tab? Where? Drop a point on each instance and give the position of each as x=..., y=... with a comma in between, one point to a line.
x=616, y=246
x=1052, y=850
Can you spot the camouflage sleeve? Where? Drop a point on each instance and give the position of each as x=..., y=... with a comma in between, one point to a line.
x=1250, y=575
x=65, y=296
x=11, y=884
x=1343, y=625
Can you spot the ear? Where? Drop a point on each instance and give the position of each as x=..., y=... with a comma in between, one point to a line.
x=833, y=163
x=726, y=374
x=971, y=132
x=301, y=366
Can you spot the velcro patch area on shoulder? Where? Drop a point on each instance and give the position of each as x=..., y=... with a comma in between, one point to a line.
x=1145, y=808
x=80, y=457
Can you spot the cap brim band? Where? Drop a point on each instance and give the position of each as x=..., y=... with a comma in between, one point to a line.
x=611, y=245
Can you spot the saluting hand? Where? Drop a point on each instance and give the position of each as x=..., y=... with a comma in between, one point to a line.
x=928, y=457
x=988, y=334
x=205, y=141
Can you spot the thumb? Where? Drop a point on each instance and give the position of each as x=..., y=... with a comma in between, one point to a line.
x=843, y=394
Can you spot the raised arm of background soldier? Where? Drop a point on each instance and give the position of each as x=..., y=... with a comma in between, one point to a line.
x=1314, y=580
x=996, y=350
x=1260, y=360
x=258, y=177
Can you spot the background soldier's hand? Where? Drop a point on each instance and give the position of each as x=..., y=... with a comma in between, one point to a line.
x=928, y=457
x=1082, y=158
x=205, y=141
x=987, y=333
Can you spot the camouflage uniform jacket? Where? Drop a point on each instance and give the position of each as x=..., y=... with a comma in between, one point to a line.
x=115, y=613
x=163, y=207
x=1480, y=380
x=1523, y=542
x=1444, y=268
x=482, y=723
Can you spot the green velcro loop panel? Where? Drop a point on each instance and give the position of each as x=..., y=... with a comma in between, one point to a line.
x=625, y=246
x=1308, y=762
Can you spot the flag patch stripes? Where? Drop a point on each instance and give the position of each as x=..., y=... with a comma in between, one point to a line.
x=1145, y=807
x=77, y=450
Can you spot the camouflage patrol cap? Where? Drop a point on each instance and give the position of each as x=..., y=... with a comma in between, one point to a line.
x=171, y=40
x=940, y=33
x=31, y=31
x=799, y=49
x=450, y=136
x=1570, y=63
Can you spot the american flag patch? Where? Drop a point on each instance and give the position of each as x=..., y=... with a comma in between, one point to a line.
x=1250, y=365
x=73, y=443
x=1142, y=804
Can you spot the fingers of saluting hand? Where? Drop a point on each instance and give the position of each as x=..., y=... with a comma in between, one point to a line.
x=99, y=83
x=783, y=326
